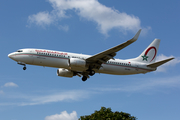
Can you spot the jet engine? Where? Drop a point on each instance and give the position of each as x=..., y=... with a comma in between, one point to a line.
x=76, y=62
x=65, y=72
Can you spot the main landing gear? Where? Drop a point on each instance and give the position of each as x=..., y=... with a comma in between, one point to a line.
x=86, y=75
x=91, y=72
x=84, y=78
x=20, y=63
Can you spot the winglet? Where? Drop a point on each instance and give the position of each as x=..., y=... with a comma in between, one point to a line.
x=137, y=35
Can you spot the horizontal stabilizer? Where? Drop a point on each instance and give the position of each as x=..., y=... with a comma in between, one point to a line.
x=157, y=64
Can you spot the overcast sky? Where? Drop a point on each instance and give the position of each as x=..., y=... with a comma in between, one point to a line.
x=88, y=27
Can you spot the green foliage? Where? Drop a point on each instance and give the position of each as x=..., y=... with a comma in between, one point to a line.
x=107, y=114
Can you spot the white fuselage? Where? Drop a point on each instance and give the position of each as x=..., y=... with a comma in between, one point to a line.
x=58, y=59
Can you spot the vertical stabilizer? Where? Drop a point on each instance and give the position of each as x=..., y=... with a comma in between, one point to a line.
x=149, y=54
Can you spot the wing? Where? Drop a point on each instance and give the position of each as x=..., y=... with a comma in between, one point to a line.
x=95, y=61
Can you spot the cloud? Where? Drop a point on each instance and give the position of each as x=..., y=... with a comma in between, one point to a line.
x=106, y=18
x=74, y=95
x=143, y=85
x=10, y=84
x=65, y=27
x=1, y=92
x=56, y=97
x=63, y=116
x=165, y=66
x=41, y=18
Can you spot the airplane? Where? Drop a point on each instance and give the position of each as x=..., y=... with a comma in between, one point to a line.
x=72, y=64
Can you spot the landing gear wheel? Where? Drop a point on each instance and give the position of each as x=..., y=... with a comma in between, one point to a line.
x=24, y=68
x=92, y=72
x=84, y=78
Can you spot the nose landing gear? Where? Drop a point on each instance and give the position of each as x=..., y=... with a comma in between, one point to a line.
x=24, y=68
x=20, y=63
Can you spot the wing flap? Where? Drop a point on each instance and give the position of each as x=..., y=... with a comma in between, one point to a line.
x=159, y=63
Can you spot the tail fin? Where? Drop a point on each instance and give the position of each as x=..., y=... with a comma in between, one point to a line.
x=149, y=54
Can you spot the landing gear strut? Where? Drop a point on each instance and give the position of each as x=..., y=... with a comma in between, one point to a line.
x=20, y=63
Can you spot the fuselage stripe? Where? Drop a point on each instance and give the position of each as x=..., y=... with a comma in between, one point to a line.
x=58, y=57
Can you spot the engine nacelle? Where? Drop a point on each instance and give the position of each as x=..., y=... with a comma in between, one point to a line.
x=65, y=72
x=76, y=62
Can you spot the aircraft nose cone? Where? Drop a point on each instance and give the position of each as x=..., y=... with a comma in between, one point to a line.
x=10, y=55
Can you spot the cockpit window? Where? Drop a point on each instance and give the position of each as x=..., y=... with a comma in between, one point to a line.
x=19, y=51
